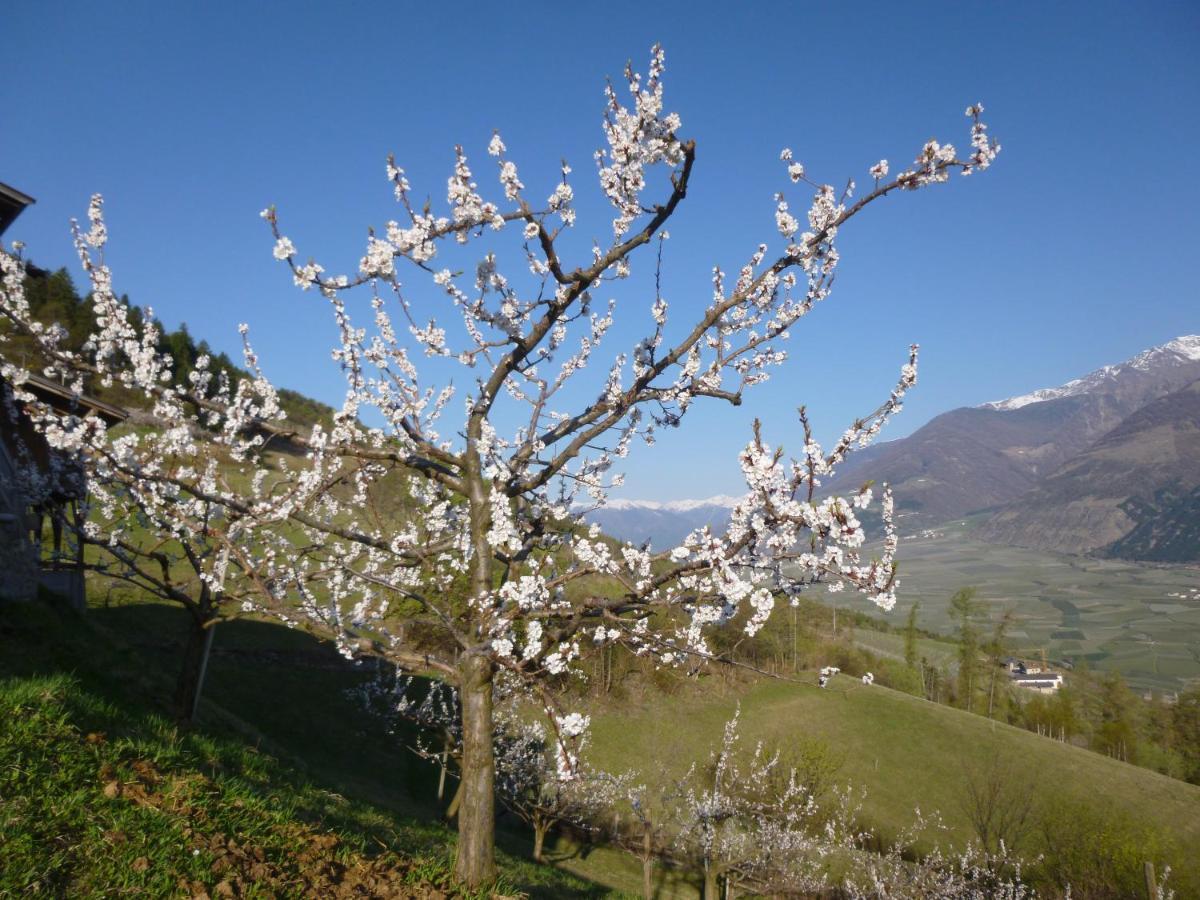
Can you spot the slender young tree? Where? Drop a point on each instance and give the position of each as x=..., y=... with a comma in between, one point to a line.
x=910, y=636
x=963, y=606
x=997, y=649
x=442, y=532
x=533, y=783
x=164, y=509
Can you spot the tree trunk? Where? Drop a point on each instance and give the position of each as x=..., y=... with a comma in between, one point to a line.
x=476, y=864
x=712, y=884
x=647, y=864
x=191, y=672
x=539, y=839
x=795, y=644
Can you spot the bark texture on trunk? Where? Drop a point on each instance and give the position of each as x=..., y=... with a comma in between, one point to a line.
x=539, y=840
x=476, y=865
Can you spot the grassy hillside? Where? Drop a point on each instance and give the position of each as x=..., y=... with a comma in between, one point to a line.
x=99, y=789
x=99, y=792
x=890, y=645
x=908, y=753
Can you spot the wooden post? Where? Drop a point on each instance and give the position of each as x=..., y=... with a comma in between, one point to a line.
x=208, y=639
x=442, y=777
x=1151, y=881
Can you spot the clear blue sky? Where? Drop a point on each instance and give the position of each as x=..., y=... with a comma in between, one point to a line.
x=1079, y=248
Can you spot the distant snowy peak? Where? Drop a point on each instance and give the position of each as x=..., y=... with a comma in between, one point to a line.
x=1070, y=389
x=721, y=500
x=1182, y=350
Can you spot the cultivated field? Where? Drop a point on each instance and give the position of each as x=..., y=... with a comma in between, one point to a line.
x=1113, y=614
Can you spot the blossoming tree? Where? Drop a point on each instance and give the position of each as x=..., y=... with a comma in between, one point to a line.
x=456, y=549
x=164, y=511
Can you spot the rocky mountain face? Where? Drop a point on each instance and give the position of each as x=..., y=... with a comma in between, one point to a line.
x=977, y=458
x=1134, y=493
x=1107, y=464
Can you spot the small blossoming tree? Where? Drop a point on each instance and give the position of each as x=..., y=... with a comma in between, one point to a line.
x=456, y=549
x=167, y=511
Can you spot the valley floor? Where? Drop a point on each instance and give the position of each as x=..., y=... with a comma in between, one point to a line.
x=1110, y=614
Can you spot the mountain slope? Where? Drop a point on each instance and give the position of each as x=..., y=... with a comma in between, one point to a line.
x=971, y=459
x=1134, y=494
x=1170, y=355
x=968, y=459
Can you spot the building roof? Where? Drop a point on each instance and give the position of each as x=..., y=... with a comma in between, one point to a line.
x=62, y=398
x=1040, y=676
x=19, y=435
x=12, y=204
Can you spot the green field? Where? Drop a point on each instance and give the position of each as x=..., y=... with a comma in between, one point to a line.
x=906, y=753
x=1114, y=615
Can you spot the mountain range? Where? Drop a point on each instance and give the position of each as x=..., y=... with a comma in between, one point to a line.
x=661, y=524
x=1107, y=464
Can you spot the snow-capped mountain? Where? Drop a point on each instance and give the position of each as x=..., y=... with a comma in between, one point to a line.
x=663, y=523
x=992, y=456
x=1180, y=352
x=1003, y=456
x=1135, y=493
x=674, y=505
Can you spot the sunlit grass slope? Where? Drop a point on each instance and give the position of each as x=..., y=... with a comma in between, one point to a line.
x=907, y=753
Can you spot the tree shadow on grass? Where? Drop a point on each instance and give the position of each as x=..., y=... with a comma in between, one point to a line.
x=280, y=690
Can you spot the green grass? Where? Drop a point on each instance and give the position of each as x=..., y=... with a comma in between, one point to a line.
x=291, y=690
x=891, y=646
x=280, y=739
x=100, y=793
x=906, y=753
